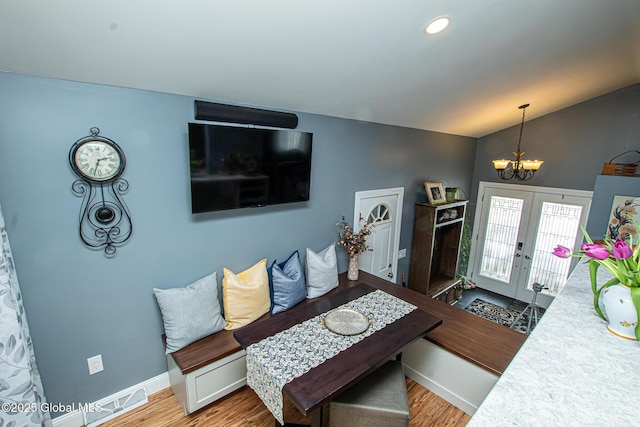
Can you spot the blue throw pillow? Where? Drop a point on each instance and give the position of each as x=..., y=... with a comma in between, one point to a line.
x=287, y=284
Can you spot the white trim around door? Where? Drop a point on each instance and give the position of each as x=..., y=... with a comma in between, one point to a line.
x=514, y=231
x=382, y=209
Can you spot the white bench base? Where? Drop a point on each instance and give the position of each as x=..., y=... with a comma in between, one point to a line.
x=199, y=388
x=451, y=377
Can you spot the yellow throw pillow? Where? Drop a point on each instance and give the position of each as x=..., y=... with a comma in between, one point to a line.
x=245, y=295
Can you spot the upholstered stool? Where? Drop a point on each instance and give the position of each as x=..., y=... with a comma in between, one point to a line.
x=378, y=400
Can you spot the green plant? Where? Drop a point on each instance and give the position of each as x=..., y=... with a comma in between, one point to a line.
x=464, y=282
x=465, y=247
x=619, y=257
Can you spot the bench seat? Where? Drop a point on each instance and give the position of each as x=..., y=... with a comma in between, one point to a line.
x=206, y=370
x=214, y=366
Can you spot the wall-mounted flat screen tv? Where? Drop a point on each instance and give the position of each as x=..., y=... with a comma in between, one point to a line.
x=238, y=167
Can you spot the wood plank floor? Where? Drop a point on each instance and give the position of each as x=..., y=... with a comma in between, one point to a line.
x=244, y=408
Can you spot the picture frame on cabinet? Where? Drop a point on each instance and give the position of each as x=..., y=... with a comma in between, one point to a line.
x=435, y=193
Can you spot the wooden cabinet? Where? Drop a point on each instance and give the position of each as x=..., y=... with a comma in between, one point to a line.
x=437, y=230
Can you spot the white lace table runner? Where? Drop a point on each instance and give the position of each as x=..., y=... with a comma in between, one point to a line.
x=276, y=360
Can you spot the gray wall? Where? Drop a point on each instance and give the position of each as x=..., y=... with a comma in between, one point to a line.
x=79, y=303
x=574, y=142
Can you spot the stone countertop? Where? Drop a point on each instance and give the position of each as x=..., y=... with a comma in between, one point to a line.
x=571, y=371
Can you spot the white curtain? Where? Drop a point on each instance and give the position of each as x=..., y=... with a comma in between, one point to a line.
x=21, y=393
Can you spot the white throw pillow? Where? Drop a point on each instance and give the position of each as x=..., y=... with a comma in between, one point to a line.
x=322, y=271
x=190, y=313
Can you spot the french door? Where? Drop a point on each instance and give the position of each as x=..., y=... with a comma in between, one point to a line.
x=516, y=228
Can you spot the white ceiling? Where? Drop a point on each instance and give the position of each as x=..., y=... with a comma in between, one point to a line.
x=359, y=59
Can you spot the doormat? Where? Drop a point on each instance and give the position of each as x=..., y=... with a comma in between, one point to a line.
x=504, y=316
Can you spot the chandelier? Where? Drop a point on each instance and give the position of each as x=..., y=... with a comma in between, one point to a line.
x=518, y=169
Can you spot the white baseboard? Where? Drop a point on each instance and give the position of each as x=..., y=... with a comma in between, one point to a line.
x=454, y=379
x=152, y=385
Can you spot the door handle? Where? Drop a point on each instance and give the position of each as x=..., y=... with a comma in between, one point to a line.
x=390, y=275
x=527, y=257
x=518, y=255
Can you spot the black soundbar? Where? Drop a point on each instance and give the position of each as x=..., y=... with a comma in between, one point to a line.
x=215, y=112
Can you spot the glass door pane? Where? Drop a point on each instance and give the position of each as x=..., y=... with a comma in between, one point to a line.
x=558, y=224
x=501, y=238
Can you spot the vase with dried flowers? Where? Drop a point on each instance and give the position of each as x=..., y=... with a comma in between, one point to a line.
x=354, y=243
x=619, y=296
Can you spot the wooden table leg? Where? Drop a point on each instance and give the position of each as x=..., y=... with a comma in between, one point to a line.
x=317, y=418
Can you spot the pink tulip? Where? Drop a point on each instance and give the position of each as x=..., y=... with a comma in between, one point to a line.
x=562, y=251
x=621, y=249
x=595, y=251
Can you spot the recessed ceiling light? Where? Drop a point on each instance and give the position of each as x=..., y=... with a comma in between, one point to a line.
x=437, y=25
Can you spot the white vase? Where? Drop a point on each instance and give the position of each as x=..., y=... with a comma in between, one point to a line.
x=620, y=311
x=352, y=274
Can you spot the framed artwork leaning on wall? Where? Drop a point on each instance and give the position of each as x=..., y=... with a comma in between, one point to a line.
x=620, y=225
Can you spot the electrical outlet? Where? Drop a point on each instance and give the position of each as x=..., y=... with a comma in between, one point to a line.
x=402, y=253
x=95, y=364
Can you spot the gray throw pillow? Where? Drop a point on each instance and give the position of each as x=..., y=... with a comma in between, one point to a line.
x=190, y=313
x=322, y=271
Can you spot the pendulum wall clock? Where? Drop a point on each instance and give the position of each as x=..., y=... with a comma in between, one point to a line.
x=105, y=221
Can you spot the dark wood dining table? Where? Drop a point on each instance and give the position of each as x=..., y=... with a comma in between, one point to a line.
x=310, y=391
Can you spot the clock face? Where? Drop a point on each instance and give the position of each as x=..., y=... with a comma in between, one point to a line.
x=97, y=160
